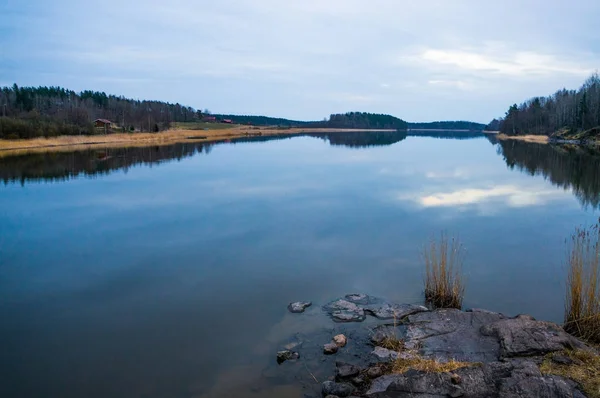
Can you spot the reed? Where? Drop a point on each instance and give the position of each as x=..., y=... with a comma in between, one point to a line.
x=444, y=286
x=582, y=304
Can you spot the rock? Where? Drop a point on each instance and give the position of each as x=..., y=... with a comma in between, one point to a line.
x=358, y=298
x=546, y=386
x=286, y=355
x=374, y=372
x=497, y=380
x=345, y=311
x=345, y=370
x=332, y=396
x=340, y=340
x=452, y=334
x=394, y=311
x=299, y=306
x=380, y=354
x=330, y=348
x=359, y=381
x=524, y=336
x=383, y=332
x=381, y=384
x=292, y=345
x=337, y=389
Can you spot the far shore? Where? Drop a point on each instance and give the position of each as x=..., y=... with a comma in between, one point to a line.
x=169, y=137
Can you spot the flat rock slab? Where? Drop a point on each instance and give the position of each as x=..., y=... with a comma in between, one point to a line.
x=393, y=311
x=453, y=334
x=490, y=380
x=345, y=311
x=524, y=336
x=355, y=307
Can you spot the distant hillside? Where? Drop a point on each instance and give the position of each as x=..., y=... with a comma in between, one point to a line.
x=354, y=120
x=567, y=114
x=363, y=120
x=449, y=125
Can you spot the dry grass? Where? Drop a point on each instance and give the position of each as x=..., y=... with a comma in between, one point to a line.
x=173, y=136
x=417, y=362
x=444, y=287
x=582, y=305
x=538, y=139
x=585, y=370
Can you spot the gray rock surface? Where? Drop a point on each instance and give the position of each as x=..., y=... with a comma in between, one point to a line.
x=345, y=370
x=338, y=389
x=330, y=348
x=496, y=379
x=380, y=354
x=345, y=311
x=452, y=334
x=394, y=311
x=524, y=336
x=374, y=372
x=299, y=306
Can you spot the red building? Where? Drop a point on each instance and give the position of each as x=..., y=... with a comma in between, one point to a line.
x=102, y=123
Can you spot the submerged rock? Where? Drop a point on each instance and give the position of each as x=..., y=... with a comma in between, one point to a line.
x=299, y=306
x=330, y=348
x=286, y=355
x=345, y=311
x=358, y=298
x=345, y=370
x=337, y=389
x=394, y=311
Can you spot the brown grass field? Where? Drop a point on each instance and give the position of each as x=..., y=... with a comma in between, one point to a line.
x=173, y=136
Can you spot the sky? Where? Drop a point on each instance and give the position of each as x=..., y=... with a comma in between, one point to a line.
x=420, y=60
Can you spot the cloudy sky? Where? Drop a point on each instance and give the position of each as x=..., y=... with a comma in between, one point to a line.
x=419, y=60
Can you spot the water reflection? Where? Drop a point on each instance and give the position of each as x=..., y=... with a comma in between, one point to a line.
x=57, y=166
x=570, y=167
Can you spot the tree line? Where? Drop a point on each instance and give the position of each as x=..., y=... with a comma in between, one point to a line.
x=449, y=125
x=29, y=112
x=566, y=111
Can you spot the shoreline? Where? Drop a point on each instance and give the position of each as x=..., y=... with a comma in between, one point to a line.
x=537, y=139
x=169, y=137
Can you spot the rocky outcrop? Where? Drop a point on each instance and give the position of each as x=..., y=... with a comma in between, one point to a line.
x=524, y=336
x=500, y=356
x=355, y=307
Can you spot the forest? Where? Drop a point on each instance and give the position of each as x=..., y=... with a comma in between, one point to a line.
x=564, y=113
x=451, y=125
x=29, y=112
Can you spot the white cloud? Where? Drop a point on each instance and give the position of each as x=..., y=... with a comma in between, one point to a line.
x=517, y=64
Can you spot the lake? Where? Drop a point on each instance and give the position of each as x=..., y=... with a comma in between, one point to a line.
x=166, y=271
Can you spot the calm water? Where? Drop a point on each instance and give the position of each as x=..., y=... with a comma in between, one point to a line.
x=166, y=271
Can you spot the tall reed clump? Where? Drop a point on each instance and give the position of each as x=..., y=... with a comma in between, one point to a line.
x=444, y=286
x=582, y=306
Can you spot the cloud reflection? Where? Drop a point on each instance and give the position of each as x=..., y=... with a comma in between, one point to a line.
x=511, y=195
